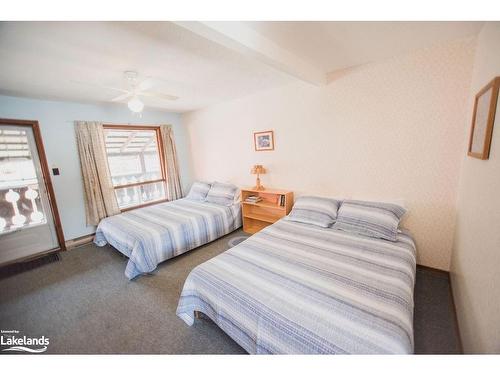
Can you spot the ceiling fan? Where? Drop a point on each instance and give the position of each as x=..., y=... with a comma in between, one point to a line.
x=132, y=95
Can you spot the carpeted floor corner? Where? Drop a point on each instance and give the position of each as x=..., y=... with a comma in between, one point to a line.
x=84, y=304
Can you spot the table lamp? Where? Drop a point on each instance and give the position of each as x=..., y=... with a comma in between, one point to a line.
x=258, y=170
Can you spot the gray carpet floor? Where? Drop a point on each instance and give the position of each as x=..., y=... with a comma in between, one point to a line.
x=85, y=304
x=434, y=320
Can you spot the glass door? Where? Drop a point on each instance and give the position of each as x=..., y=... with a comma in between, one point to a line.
x=27, y=225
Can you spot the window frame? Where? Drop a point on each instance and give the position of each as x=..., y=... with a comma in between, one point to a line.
x=161, y=154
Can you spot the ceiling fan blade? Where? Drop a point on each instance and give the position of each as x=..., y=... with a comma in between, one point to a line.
x=158, y=95
x=101, y=86
x=122, y=97
x=115, y=88
x=145, y=84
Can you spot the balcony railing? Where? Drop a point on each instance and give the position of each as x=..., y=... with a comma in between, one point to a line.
x=140, y=194
x=20, y=207
x=135, y=177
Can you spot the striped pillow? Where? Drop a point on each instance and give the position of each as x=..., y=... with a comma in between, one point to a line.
x=371, y=219
x=199, y=191
x=314, y=210
x=222, y=194
x=394, y=208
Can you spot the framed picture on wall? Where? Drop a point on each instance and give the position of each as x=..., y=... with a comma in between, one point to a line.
x=264, y=141
x=483, y=119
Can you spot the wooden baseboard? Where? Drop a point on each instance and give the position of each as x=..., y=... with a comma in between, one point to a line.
x=79, y=241
x=454, y=306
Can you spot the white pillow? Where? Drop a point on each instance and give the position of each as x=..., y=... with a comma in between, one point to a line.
x=198, y=191
x=223, y=194
x=372, y=219
x=314, y=210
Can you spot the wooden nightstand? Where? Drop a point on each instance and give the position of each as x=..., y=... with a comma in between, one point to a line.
x=275, y=204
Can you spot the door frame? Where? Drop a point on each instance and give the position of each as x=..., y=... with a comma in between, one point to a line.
x=33, y=124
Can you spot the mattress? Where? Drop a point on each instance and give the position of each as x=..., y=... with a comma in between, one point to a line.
x=153, y=234
x=296, y=288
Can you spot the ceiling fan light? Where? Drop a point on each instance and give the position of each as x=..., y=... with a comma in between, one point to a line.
x=135, y=105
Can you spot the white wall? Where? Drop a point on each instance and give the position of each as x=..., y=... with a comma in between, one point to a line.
x=56, y=123
x=475, y=267
x=386, y=131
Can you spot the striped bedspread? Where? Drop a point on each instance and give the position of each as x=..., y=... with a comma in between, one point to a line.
x=296, y=288
x=150, y=235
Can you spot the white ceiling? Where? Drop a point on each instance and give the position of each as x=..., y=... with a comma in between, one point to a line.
x=43, y=59
x=48, y=59
x=333, y=46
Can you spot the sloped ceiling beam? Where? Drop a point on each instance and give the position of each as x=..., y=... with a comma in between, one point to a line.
x=242, y=39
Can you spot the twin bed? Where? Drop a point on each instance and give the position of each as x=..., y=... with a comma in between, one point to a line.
x=153, y=234
x=291, y=288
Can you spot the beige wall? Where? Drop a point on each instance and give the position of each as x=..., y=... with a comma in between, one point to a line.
x=475, y=267
x=385, y=131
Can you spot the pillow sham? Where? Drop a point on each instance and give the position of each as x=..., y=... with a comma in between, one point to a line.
x=222, y=194
x=198, y=191
x=371, y=219
x=314, y=210
x=392, y=207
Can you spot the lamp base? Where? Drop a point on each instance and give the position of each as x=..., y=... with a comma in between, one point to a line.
x=258, y=186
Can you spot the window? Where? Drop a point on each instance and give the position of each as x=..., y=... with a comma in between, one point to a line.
x=136, y=164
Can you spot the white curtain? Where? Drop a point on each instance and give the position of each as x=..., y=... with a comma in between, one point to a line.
x=100, y=199
x=174, y=190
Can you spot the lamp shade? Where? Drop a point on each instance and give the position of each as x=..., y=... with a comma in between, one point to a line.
x=258, y=169
x=135, y=104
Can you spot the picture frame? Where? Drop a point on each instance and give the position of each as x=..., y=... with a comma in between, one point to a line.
x=483, y=120
x=264, y=141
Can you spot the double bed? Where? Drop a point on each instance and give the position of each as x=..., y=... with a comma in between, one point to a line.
x=299, y=288
x=153, y=234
